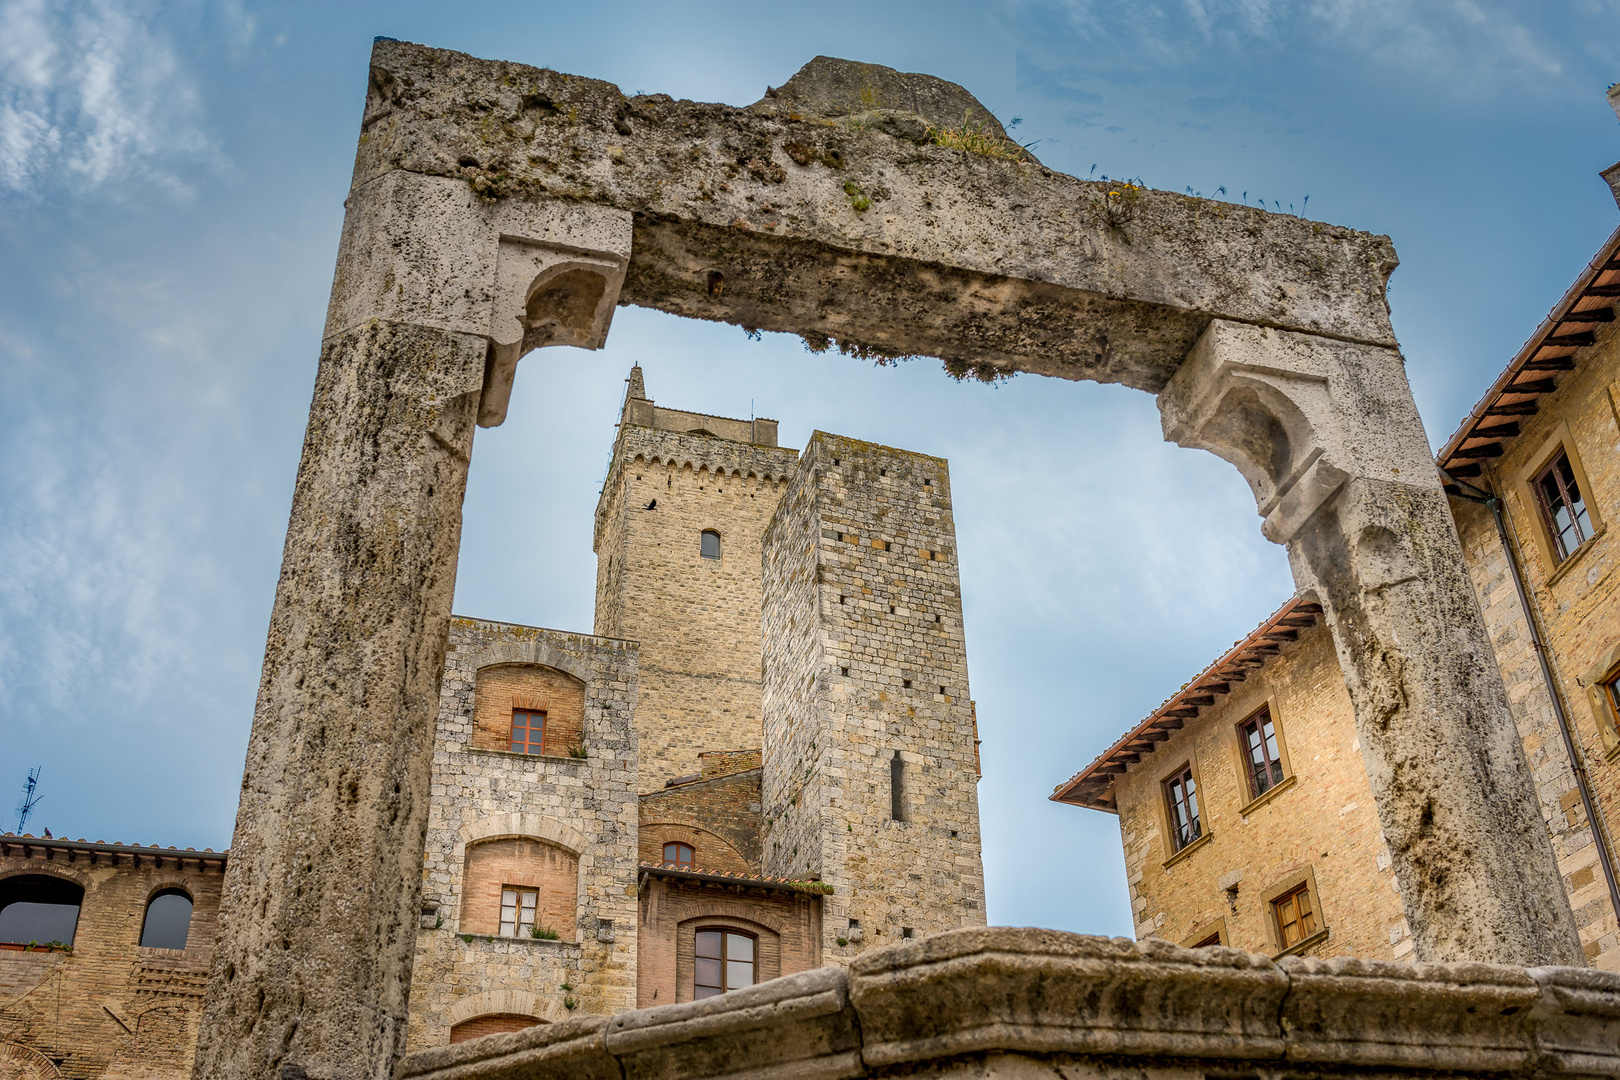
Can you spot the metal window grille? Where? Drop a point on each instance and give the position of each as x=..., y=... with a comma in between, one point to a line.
x=1265, y=769
x=723, y=960
x=517, y=910
x=528, y=731
x=1562, y=506
x=1181, y=791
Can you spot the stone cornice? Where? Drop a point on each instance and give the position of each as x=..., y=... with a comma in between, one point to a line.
x=1141, y=1006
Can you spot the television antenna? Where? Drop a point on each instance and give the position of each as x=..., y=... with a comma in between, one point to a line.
x=29, y=799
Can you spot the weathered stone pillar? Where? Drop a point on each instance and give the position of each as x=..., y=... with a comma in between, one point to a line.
x=436, y=296
x=1328, y=436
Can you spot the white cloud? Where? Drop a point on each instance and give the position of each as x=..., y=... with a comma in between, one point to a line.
x=1466, y=43
x=94, y=97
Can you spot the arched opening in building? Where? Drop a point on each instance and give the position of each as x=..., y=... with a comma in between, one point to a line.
x=709, y=544
x=492, y=1024
x=38, y=909
x=168, y=920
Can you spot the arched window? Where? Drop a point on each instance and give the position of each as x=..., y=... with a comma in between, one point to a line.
x=723, y=960
x=679, y=854
x=168, y=920
x=38, y=909
x=709, y=544
x=493, y=1024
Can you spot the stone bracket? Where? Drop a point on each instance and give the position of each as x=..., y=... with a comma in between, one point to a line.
x=426, y=250
x=1299, y=416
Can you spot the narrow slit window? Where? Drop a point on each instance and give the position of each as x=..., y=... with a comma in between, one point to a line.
x=709, y=544
x=897, y=787
x=1181, y=793
x=528, y=731
x=723, y=960
x=1296, y=916
x=517, y=910
x=1260, y=755
x=678, y=854
x=1563, y=507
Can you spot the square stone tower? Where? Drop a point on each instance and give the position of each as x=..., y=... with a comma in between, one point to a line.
x=870, y=763
x=691, y=601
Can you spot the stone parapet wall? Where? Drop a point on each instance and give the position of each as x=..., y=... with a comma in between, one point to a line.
x=1012, y=1003
x=866, y=659
x=577, y=808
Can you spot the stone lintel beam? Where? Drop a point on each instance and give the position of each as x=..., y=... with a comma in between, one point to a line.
x=766, y=218
x=1013, y=1003
x=1331, y=444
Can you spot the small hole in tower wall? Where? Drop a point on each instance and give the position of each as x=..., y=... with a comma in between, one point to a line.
x=906, y=683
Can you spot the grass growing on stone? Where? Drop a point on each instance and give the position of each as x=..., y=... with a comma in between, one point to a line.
x=972, y=136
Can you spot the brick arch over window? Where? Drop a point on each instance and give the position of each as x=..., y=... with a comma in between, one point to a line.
x=536, y=826
x=710, y=851
x=499, y=689
x=491, y=1024
x=726, y=915
x=524, y=863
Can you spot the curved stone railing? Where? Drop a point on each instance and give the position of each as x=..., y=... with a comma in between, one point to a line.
x=976, y=1001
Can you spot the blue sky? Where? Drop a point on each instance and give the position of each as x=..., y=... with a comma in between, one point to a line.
x=171, y=187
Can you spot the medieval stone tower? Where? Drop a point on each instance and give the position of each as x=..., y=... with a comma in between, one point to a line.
x=678, y=528
x=870, y=762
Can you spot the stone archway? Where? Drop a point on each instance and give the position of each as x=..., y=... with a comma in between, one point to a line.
x=496, y=208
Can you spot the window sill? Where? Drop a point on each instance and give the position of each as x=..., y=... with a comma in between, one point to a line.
x=1299, y=947
x=525, y=940
x=1574, y=557
x=1266, y=796
x=12, y=946
x=554, y=759
x=1188, y=850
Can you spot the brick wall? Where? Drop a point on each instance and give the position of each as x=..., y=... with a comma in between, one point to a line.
x=494, y=864
x=112, y=1008
x=583, y=807
x=787, y=926
x=500, y=689
x=1320, y=823
x=490, y=1025
x=696, y=620
x=865, y=658
x=719, y=817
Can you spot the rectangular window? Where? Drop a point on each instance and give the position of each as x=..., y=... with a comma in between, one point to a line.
x=1181, y=793
x=1260, y=757
x=723, y=960
x=1611, y=696
x=1563, y=507
x=1213, y=939
x=1296, y=918
x=517, y=910
x=528, y=731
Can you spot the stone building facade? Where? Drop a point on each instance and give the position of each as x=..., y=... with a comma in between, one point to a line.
x=675, y=476
x=116, y=989
x=1534, y=478
x=870, y=738
x=596, y=835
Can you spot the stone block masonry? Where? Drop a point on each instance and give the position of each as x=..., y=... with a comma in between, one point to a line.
x=869, y=775
x=527, y=820
x=674, y=475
